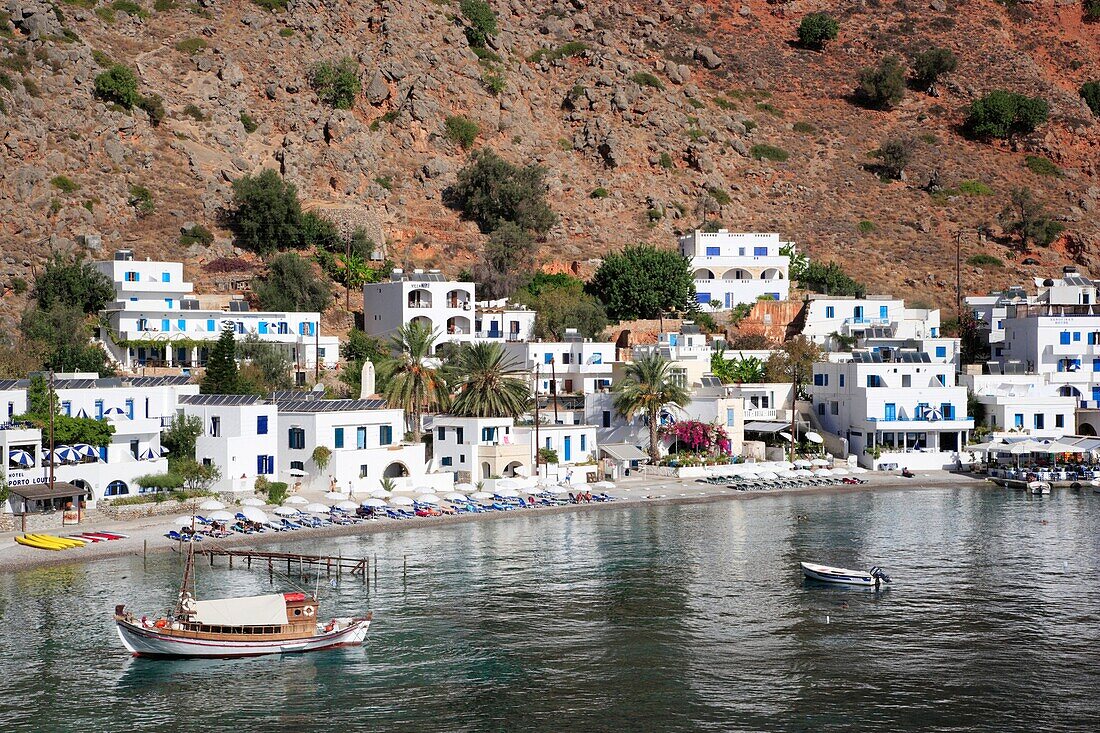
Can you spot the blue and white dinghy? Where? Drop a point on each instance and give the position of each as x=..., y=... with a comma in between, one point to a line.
x=826, y=574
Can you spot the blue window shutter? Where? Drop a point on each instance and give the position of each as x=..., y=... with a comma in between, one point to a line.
x=760, y=251
x=338, y=438
x=714, y=251
x=165, y=277
x=210, y=325
x=584, y=442
x=568, y=447
x=1063, y=338
x=883, y=311
x=99, y=409
x=1076, y=335
x=130, y=409
x=263, y=327
x=261, y=425
x=830, y=311
x=165, y=325
x=703, y=298
x=181, y=324
x=547, y=358
x=941, y=352
x=260, y=461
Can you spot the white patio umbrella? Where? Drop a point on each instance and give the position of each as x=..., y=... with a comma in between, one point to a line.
x=211, y=505
x=336, y=495
x=295, y=501
x=381, y=494
x=317, y=508
x=822, y=472
x=428, y=499
x=401, y=501
x=481, y=495
x=784, y=464
x=372, y=502
x=557, y=489
x=522, y=471
x=465, y=487
x=801, y=472
x=115, y=412
x=455, y=496
x=605, y=485
x=802, y=463
x=286, y=511
x=841, y=471
x=507, y=483
x=769, y=475
x=20, y=457
x=63, y=454
x=347, y=506
x=185, y=521
x=221, y=516
x=88, y=451
x=508, y=493
x=820, y=462
x=750, y=475
x=253, y=501
x=814, y=437
x=254, y=514
x=859, y=469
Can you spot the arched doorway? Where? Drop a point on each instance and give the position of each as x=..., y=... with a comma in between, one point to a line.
x=1086, y=429
x=486, y=470
x=397, y=469
x=510, y=469
x=704, y=274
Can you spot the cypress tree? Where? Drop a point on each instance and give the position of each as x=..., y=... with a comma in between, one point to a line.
x=221, y=367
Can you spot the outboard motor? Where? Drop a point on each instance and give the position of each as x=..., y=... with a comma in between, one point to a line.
x=879, y=574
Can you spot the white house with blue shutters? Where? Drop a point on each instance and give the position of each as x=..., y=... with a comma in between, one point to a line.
x=238, y=436
x=477, y=448
x=734, y=267
x=156, y=319
x=894, y=409
x=576, y=365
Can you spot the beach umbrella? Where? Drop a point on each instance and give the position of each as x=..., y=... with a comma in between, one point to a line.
x=605, y=485
x=769, y=475
x=317, y=509
x=347, y=506
x=822, y=472
x=62, y=454
x=115, y=412
x=253, y=514
x=801, y=472
x=841, y=471
x=481, y=495
x=381, y=494
x=372, y=502
x=465, y=487
x=820, y=462
x=785, y=436
x=859, y=469
x=295, y=501
x=221, y=516
x=253, y=501
x=522, y=471
x=507, y=483
x=455, y=496
x=335, y=495
x=149, y=454
x=286, y=511
x=558, y=489
x=88, y=451
x=20, y=457
x=402, y=501
x=814, y=437
x=507, y=493
x=185, y=521
x=211, y=505
x=802, y=463
x=428, y=499
x=82, y=413
x=787, y=465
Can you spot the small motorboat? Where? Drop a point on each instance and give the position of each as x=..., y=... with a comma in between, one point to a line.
x=1038, y=487
x=826, y=574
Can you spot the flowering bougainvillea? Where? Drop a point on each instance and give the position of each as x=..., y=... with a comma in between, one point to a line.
x=698, y=436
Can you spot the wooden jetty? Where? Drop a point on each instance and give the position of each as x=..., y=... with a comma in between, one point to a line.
x=330, y=564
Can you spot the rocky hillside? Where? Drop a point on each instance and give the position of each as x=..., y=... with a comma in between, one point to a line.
x=655, y=102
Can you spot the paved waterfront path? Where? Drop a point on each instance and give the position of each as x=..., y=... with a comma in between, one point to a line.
x=147, y=533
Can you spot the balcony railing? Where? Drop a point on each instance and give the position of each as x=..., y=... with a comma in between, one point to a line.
x=507, y=336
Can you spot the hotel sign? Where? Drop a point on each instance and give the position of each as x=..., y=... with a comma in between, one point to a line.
x=25, y=478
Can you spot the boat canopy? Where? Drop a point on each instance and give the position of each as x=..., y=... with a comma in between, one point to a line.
x=269, y=610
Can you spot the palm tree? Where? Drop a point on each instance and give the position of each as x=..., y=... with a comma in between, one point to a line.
x=645, y=388
x=490, y=383
x=417, y=384
x=748, y=369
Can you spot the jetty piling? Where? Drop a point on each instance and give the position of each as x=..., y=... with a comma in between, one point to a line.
x=329, y=563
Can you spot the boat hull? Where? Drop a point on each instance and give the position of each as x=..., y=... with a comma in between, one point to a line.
x=150, y=642
x=842, y=576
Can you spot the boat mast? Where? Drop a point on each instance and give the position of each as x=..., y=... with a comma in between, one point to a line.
x=188, y=584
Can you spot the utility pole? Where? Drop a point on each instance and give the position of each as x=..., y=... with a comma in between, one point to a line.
x=554, y=385
x=347, y=274
x=794, y=411
x=317, y=350
x=536, y=419
x=958, y=273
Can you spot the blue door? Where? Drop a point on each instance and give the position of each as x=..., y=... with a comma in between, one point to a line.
x=891, y=411
x=568, y=448
x=883, y=312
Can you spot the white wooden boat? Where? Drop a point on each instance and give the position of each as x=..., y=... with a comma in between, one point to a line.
x=826, y=574
x=1038, y=487
x=276, y=623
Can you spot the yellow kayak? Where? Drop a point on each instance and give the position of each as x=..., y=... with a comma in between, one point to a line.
x=38, y=544
x=49, y=541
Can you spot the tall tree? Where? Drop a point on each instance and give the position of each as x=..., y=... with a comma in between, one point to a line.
x=72, y=283
x=1025, y=217
x=646, y=388
x=644, y=282
x=794, y=362
x=416, y=384
x=221, y=368
x=291, y=285
x=266, y=213
x=490, y=382
x=491, y=191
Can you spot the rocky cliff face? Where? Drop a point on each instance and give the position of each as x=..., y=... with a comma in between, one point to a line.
x=656, y=102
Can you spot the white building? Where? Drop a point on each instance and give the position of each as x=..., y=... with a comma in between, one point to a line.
x=895, y=411
x=575, y=446
x=156, y=320
x=1022, y=404
x=238, y=436
x=427, y=298
x=574, y=366
x=366, y=440
x=734, y=268
x=501, y=321
x=866, y=318
x=137, y=408
x=477, y=448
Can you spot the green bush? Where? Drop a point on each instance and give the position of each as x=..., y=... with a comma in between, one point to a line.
x=719, y=195
x=64, y=184
x=266, y=214
x=482, y=22
x=1042, y=166
x=142, y=200
x=490, y=191
x=865, y=227
x=385, y=182
x=119, y=85
x=769, y=108
x=291, y=285
x=1090, y=92
x=769, y=152
x=984, y=260
x=882, y=86
x=162, y=6
x=154, y=107
x=101, y=59
x=493, y=82
x=642, y=282
x=723, y=103
x=816, y=29
x=271, y=4
x=249, y=124
x=193, y=112
x=336, y=83
x=286, y=32
x=160, y=481
x=975, y=188
x=830, y=279
x=461, y=130
x=105, y=14
x=71, y=283
x=599, y=193
x=1003, y=114
x=1091, y=9
x=18, y=285
x=646, y=79
x=895, y=154
x=198, y=234
x=930, y=64
x=276, y=492
x=130, y=8
x=566, y=50
x=665, y=161
x=805, y=128
x=190, y=45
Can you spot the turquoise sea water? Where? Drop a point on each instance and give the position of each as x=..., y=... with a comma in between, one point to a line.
x=662, y=618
